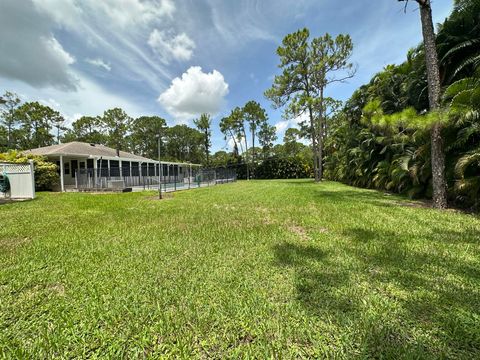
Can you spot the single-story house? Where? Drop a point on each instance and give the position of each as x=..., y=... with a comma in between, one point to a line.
x=93, y=165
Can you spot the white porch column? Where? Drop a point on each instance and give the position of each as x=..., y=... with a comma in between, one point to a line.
x=108, y=167
x=95, y=169
x=120, y=169
x=62, y=183
x=32, y=174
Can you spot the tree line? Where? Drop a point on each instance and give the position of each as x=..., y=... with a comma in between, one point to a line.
x=31, y=125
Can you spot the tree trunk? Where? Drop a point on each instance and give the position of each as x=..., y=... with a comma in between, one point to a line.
x=314, y=144
x=253, y=153
x=434, y=89
x=320, y=136
x=206, y=147
x=246, y=153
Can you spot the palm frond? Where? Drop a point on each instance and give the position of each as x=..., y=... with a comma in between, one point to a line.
x=461, y=46
x=474, y=61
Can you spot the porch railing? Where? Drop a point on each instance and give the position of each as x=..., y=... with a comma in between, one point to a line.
x=113, y=178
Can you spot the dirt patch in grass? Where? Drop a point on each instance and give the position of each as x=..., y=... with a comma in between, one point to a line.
x=299, y=231
x=11, y=244
x=4, y=201
x=224, y=207
x=167, y=196
x=415, y=204
x=264, y=215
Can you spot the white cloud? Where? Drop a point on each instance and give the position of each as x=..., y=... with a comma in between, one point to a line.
x=64, y=12
x=168, y=45
x=114, y=29
x=283, y=125
x=90, y=99
x=194, y=93
x=29, y=50
x=98, y=62
x=129, y=12
x=121, y=13
x=51, y=102
x=249, y=23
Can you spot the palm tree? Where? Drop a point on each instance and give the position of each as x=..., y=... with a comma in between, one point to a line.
x=463, y=97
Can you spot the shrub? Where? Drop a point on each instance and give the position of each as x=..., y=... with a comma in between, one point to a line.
x=46, y=173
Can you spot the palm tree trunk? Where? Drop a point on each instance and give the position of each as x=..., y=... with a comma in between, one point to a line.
x=434, y=89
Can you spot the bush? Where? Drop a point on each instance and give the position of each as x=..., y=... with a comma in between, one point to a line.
x=46, y=173
x=294, y=167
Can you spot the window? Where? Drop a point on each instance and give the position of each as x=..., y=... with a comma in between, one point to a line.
x=74, y=167
x=66, y=168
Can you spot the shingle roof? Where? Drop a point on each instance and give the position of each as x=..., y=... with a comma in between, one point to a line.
x=77, y=148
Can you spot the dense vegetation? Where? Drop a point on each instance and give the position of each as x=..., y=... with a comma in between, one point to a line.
x=260, y=269
x=381, y=140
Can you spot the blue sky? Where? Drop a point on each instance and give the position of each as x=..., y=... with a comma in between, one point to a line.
x=177, y=59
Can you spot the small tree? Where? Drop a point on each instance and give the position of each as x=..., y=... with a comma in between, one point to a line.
x=36, y=122
x=8, y=104
x=255, y=115
x=87, y=129
x=203, y=124
x=308, y=68
x=267, y=135
x=58, y=121
x=117, y=124
x=143, y=139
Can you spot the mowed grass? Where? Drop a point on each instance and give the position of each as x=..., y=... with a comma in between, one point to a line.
x=259, y=269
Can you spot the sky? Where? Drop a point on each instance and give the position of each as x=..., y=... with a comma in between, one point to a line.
x=178, y=59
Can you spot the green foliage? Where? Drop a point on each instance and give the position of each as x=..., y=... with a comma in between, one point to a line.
x=117, y=123
x=381, y=140
x=143, y=138
x=46, y=173
x=203, y=124
x=308, y=67
x=277, y=167
x=267, y=135
x=36, y=125
x=9, y=103
x=184, y=144
x=86, y=129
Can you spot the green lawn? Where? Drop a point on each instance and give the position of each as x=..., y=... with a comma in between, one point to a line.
x=258, y=269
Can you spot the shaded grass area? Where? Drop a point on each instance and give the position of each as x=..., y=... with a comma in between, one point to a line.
x=255, y=269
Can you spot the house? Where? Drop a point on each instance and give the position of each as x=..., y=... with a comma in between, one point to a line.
x=84, y=165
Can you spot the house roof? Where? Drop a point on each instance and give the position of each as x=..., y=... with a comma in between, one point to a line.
x=77, y=148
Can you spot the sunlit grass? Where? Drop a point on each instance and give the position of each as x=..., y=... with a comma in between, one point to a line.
x=255, y=269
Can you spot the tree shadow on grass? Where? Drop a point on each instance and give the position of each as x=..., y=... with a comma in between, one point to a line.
x=443, y=290
x=435, y=297
x=315, y=288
